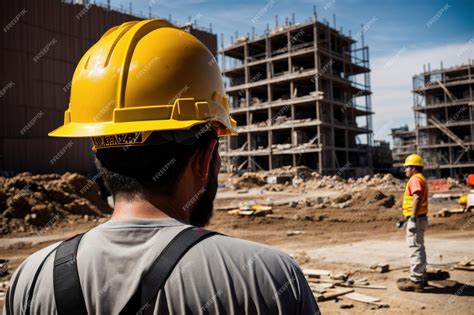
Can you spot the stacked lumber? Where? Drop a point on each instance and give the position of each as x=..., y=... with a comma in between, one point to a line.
x=327, y=286
x=465, y=264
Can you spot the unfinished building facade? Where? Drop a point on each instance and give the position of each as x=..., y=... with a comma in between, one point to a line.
x=443, y=104
x=404, y=144
x=300, y=94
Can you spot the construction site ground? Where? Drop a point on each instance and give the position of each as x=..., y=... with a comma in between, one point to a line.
x=339, y=239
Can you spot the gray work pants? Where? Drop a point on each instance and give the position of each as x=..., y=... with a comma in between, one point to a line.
x=416, y=244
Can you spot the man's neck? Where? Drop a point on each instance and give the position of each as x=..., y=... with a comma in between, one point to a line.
x=136, y=209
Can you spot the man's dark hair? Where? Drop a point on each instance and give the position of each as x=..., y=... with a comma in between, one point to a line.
x=419, y=169
x=133, y=170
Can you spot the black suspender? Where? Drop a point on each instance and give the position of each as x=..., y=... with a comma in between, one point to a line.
x=67, y=288
x=142, y=300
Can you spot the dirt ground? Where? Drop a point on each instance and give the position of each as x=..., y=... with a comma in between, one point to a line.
x=326, y=234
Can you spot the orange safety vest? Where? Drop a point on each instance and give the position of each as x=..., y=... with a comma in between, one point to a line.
x=408, y=200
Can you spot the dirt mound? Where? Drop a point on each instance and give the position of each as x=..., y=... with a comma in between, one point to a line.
x=37, y=200
x=248, y=180
x=373, y=200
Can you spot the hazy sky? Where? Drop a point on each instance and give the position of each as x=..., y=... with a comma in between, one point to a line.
x=401, y=35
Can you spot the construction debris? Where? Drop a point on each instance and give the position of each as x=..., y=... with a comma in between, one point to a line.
x=316, y=273
x=355, y=296
x=305, y=178
x=253, y=210
x=445, y=212
x=381, y=268
x=323, y=282
x=291, y=233
x=332, y=294
x=3, y=267
x=35, y=201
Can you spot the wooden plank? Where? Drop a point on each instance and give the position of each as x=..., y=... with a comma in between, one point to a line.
x=333, y=293
x=369, y=286
x=320, y=287
x=359, y=297
x=316, y=272
x=471, y=268
x=465, y=262
x=323, y=280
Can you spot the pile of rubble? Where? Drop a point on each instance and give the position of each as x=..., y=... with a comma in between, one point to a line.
x=36, y=201
x=305, y=178
x=371, y=199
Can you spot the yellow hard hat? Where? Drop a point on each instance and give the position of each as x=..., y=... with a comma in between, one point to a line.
x=414, y=160
x=142, y=77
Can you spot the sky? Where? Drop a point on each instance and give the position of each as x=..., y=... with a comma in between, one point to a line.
x=402, y=36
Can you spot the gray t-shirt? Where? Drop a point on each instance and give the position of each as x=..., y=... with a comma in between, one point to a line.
x=219, y=275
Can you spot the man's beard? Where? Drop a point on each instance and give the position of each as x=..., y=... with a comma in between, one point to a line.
x=202, y=212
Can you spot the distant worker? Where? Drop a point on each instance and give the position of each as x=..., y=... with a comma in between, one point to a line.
x=152, y=99
x=415, y=210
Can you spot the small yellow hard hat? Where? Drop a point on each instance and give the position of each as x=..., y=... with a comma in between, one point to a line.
x=414, y=160
x=143, y=77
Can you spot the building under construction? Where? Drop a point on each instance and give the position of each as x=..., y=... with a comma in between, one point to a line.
x=443, y=104
x=404, y=144
x=300, y=94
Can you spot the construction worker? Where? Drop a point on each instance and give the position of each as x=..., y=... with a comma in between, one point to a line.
x=152, y=99
x=415, y=210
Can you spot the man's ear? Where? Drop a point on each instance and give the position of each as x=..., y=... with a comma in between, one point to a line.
x=202, y=158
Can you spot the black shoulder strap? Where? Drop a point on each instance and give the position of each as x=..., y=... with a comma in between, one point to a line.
x=67, y=288
x=33, y=283
x=161, y=269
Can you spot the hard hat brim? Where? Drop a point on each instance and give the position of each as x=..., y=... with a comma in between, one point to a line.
x=82, y=130
x=413, y=164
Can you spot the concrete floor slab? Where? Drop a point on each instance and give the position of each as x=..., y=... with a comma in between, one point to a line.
x=393, y=252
